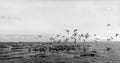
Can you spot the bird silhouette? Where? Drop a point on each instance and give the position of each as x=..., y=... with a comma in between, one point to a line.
x=95, y=35
x=108, y=25
x=52, y=38
x=111, y=37
x=57, y=35
x=75, y=30
x=63, y=36
x=116, y=34
x=39, y=36
x=67, y=31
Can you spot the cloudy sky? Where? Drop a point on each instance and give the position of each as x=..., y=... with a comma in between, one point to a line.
x=54, y=16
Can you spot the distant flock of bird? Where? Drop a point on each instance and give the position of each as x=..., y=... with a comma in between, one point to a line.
x=76, y=36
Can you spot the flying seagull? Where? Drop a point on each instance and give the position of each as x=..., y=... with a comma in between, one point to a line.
x=52, y=38
x=116, y=34
x=75, y=30
x=39, y=36
x=111, y=37
x=67, y=31
x=57, y=35
x=108, y=25
x=95, y=35
x=63, y=36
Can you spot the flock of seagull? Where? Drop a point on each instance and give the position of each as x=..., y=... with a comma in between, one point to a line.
x=76, y=36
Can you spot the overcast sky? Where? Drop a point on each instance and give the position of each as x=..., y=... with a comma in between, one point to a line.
x=54, y=16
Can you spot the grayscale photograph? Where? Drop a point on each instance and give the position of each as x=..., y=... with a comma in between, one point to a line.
x=59, y=31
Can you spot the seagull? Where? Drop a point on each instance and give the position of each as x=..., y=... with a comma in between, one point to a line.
x=116, y=34
x=75, y=30
x=111, y=37
x=52, y=38
x=67, y=31
x=63, y=36
x=39, y=36
x=97, y=38
x=108, y=25
x=95, y=35
x=58, y=35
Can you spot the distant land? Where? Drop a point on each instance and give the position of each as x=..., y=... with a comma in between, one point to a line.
x=44, y=38
x=23, y=38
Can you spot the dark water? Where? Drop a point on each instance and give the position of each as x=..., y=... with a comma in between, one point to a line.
x=100, y=46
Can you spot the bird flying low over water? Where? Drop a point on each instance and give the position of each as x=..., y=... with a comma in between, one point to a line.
x=71, y=37
x=116, y=34
x=52, y=38
x=63, y=36
x=67, y=31
x=111, y=37
x=97, y=38
x=108, y=25
x=75, y=30
x=75, y=34
x=57, y=35
x=39, y=36
x=95, y=35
